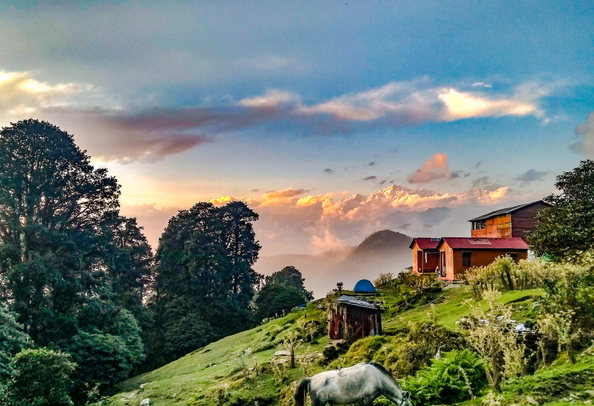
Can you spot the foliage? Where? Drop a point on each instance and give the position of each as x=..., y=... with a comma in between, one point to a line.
x=12, y=340
x=291, y=344
x=559, y=327
x=403, y=356
x=287, y=393
x=492, y=336
x=504, y=274
x=454, y=377
x=68, y=261
x=383, y=279
x=282, y=291
x=566, y=230
x=205, y=276
x=423, y=341
x=41, y=377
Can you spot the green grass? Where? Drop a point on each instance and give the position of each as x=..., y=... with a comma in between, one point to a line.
x=449, y=307
x=197, y=378
x=201, y=377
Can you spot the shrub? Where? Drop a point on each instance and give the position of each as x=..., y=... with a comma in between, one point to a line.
x=423, y=341
x=457, y=376
x=41, y=377
x=504, y=274
x=493, y=338
x=383, y=279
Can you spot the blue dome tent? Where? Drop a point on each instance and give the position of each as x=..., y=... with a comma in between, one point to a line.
x=364, y=286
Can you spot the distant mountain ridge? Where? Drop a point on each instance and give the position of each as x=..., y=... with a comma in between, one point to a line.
x=381, y=252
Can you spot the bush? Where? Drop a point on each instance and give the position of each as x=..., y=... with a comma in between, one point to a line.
x=423, y=341
x=41, y=377
x=457, y=376
x=504, y=274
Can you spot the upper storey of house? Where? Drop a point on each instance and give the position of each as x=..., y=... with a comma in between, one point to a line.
x=510, y=222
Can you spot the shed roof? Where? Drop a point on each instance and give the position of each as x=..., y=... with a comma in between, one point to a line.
x=353, y=301
x=426, y=243
x=484, y=243
x=364, y=286
x=502, y=212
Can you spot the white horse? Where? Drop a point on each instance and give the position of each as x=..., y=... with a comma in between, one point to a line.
x=365, y=381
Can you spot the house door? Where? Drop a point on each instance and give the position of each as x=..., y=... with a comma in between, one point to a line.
x=420, y=262
x=443, y=267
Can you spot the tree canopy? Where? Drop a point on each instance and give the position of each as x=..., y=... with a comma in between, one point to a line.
x=566, y=230
x=282, y=291
x=205, y=280
x=67, y=258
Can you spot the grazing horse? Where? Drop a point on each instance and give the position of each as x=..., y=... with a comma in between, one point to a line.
x=365, y=381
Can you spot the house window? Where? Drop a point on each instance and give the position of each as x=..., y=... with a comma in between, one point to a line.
x=479, y=225
x=466, y=258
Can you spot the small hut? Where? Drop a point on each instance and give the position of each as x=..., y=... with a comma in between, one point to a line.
x=352, y=319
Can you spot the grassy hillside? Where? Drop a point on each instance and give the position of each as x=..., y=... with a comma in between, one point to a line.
x=216, y=374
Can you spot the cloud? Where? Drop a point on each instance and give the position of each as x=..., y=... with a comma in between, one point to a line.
x=272, y=99
x=281, y=196
x=21, y=94
x=115, y=136
x=270, y=63
x=328, y=171
x=294, y=221
x=434, y=168
x=461, y=105
x=370, y=178
x=530, y=176
x=113, y=133
x=371, y=164
x=585, y=134
x=300, y=222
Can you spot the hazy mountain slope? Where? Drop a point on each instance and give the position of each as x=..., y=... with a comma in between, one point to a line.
x=381, y=252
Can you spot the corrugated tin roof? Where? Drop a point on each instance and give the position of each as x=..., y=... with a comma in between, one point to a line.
x=501, y=212
x=353, y=301
x=486, y=243
x=426, y=243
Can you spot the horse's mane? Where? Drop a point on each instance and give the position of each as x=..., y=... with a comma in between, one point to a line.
x=384, y=371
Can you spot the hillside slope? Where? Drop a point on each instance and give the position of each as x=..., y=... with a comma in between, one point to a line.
x=215, y=372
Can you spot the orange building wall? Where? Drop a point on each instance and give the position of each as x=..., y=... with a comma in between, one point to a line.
x=497, y=227
x=430, y=265
x=415, y=250
x=477, y=258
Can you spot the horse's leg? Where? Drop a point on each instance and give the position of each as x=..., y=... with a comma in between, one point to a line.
x=368, y=400
x=315, y=401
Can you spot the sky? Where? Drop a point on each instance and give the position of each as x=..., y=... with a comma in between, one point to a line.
x=331, y=119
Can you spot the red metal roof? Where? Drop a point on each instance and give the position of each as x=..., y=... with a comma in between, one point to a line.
x=426, y=243
x=485, y=243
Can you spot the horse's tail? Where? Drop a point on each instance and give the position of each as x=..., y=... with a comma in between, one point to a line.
x=301, y=391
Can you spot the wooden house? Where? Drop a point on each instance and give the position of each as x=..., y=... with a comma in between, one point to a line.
x=511, y=222
x=352, y=318
x=457, y=254
x=425, y=255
